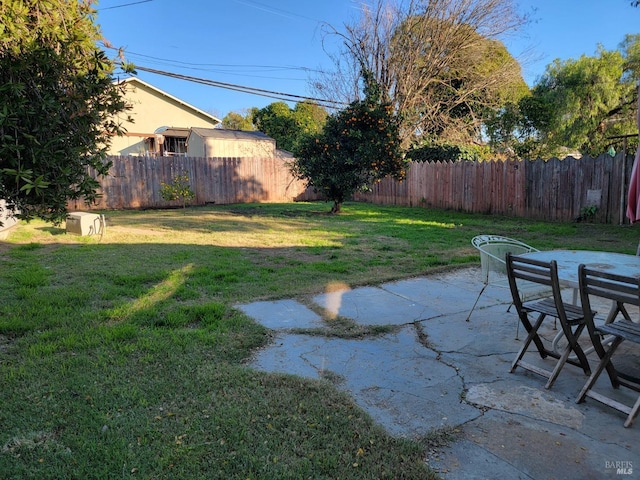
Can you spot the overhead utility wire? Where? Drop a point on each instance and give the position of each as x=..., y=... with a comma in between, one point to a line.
x=124, y=5
x=240, y=88
x=183, y=64
x=201, y=66
x=170, y=64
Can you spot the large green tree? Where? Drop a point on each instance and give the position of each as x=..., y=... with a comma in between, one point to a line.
x=357, y=147
x=588, y=102
x=238, y=121
x=286, y=125
x=58, y=105
x=579, y=104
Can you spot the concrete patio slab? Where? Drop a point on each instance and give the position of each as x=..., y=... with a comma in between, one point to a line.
x=373, y=306
x=282, y=314
x=444, y=297
x=440, y=371
x=403, y=385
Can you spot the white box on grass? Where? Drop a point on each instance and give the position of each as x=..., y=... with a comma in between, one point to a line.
x=84, y=223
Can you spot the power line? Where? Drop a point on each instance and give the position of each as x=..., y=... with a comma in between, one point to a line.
x=250, y=90
x=234, y=65
x=124, y=5
x=222, y=68
x=237, y=70
x=273, y=10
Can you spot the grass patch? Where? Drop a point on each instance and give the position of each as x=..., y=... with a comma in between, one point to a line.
x=342, y=327
x=122, y=357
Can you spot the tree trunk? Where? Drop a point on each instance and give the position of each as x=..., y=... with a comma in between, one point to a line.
x=336, y=207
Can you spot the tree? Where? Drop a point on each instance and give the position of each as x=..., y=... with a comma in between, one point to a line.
x=277, y=121
x=437, y=61
x=578, y=104
x=514, y=129
x=357, y=147
x=587, y=101
x=287, y=126
x=309, y=117
x=237, y=121
x=59, y=103
x=630, y=48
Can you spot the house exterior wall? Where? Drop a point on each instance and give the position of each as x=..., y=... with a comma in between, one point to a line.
x=150, y=110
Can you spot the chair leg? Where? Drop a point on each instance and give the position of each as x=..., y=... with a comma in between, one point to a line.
x=556, y=370
x=533, y=335
x=575, y=347
x=572, y=346
x=476, y=302
x=604, y=363
x=530, y=328
x=634, y=413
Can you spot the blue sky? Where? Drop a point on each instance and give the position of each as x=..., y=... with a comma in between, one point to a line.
x=277, y=44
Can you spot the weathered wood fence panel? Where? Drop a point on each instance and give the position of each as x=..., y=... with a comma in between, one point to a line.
x=548, y=190
x=487, y=187
x=136, y=182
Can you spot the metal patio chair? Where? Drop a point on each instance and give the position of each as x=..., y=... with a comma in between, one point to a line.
x=493, y=249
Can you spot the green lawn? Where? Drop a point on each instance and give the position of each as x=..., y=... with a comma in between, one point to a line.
x=122, y=356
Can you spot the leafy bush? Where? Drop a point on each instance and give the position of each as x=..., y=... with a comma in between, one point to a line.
x=178, y=189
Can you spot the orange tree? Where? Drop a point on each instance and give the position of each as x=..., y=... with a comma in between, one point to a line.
x=357, y=147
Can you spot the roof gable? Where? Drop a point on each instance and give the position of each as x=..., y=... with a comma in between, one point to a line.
x=134, y=80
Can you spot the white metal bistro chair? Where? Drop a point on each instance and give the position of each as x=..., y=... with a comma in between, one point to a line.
x=493, y=250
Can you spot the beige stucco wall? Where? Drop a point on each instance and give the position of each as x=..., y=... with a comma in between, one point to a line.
x=150, y=110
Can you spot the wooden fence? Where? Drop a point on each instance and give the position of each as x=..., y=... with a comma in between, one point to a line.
x=549, y=190
x=136, y=182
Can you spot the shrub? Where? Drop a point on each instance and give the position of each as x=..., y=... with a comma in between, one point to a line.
x=178, y=189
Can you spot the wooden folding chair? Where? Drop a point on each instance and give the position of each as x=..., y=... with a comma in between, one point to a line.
x=571, y=317
x=622, y=290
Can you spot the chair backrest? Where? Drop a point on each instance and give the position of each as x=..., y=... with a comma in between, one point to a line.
x=619, y=288
x=493, y=249
x=521, y=269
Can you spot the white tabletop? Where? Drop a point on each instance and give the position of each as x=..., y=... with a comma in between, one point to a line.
x=568, y=261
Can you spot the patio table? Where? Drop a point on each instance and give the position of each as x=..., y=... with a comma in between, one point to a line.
x=568, y=262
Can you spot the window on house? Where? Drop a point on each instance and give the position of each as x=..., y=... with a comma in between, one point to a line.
x=175, y=145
